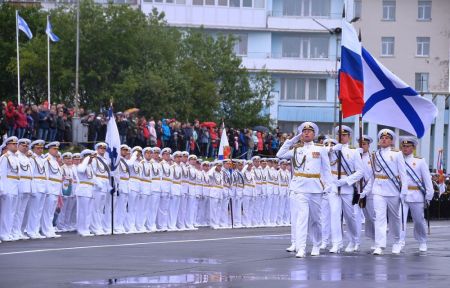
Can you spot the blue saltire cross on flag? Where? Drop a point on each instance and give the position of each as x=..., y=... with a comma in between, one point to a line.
x=23, y=26
x=390, y=101
x=49, y=32
x=113, y=140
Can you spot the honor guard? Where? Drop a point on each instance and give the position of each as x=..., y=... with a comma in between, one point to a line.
x=203, y=211
x=155, y=196
x=102, y=174
x=237, y=192
x=120, y=210
x=25, y=188
x=420, y=191
x=284, y=179
x=192, y=200
x=258, y=201
x=184, y=191
x=143, y=207
x=166, y=183
x=248, y=195
x=9, y=175
x=274, y=181
x=311, y=171
x=54, y=186
x=63, y=222
x=215, y=194
x=175, y=190
x=389, y=172
x=134, y=188
x=85, y=192
x=351, y=171
x=227, y=171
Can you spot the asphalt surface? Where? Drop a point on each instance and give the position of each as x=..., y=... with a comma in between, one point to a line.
x=217, y=258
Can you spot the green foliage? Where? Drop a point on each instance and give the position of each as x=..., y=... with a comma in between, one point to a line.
x=135, y=59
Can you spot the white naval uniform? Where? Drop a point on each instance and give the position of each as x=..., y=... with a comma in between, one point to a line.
x=175, y=196
x=100, y=165
x=225, y=217
x=342, y=203
x=203, y=210
x=268, y=196
x=414, y=199
x=369, y=211
x=248, y=197
x=283, y=207
x=386, y=196
x=215, y=195
x=54, y=186
x=192, y=198
x=25, y=189
x=166, y=183
x=143, y=203
x=199, y=215
x=9, y=175
x=259, y=201
x=120, y=206
x=134, y=192
x=238, y=190
x=184, y=191
x=274, y=181
x=312, y=173
x=85, y=196
x=64, y=221
x=155, y=195
x=38, y=195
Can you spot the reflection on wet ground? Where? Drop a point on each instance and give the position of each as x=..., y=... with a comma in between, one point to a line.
x=193, y=261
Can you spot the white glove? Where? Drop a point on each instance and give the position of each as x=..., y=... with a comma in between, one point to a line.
x=294, y=139
x=337, y=147
x=340, y=182
x=363, y=195
x=360, y=150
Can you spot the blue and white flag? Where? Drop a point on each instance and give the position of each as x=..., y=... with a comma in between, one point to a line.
x=390, y=101
x=49, y=32
x=113, y=140
x=23, y=26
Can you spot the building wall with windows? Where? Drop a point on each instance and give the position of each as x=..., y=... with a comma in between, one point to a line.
x=291, y=39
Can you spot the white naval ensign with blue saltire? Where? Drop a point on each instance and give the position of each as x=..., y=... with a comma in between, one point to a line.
x=113, y=140
x=49, y=32
x=23, y=26
x=390, y=101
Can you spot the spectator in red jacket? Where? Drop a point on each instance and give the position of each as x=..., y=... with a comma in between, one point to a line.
x=10, y=118
x=21, y=122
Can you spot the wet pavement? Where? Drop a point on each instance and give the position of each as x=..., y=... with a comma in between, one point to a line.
x=216, y=258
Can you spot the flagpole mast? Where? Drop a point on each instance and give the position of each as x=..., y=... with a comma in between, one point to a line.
x=48, y=66
x=18, y=59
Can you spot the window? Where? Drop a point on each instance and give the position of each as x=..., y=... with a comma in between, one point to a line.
x=210, y=2
x=320, y=7
x=169, y=1
x=259, y=3
x=305, y=47
x=181, y=1
x=295, y=89
x=424, y=11
x=389, y=10
x=422, y=82
x=306, y=8
x=387, y=46
x=158, y=1
x=223, y=2
x=423, y=46
x=235, y=3
x=197, y=2
x=240, y=46
x=357, y=7
x=247, y=3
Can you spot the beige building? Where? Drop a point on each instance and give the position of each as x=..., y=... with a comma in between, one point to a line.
x=412, y=39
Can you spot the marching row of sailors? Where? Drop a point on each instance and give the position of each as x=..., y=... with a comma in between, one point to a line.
x=377, y=186
x=155, y=190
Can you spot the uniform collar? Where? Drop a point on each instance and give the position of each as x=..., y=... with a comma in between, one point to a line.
x=310, y=143
x=386, y=149
x=408, y=156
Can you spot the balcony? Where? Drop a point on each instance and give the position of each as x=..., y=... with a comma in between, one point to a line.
x=275, y=21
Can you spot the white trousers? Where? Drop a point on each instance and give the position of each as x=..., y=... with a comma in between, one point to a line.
x=214, y=212
x=48, y=214
x=22, y=204
x=130, y=222
x=143, y=209
x=247, y=210
x=274, y=209
x=8, y=207
x=106, y=221
x=417, y=215
x=225, y=220
x=182, y=212
x=307, y=221
x=325, y=219
x=34, y=216
x=65, y=216
x=191, y=211
x=341, y=204
x=237, y=211
x=174, y=206
x=154, y=200
x=163, y=212
x=120, y=212
x=294, y=208
x=84, y=214
x=257, y=210
x=203, y=211
x=359, y=216
x=98, y=206
x=287, y=212
x=267, y=209
x=386, y=205
x=369, y=215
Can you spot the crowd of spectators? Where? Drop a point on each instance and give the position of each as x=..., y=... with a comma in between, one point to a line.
x=201, y=138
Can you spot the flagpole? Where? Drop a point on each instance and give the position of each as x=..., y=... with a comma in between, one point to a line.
x=48, y=65
x=18, y=59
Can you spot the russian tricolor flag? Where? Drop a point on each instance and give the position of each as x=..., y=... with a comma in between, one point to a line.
x=351, y=84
